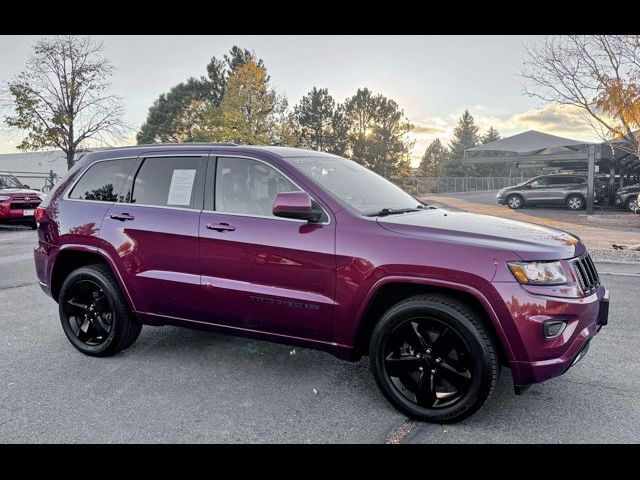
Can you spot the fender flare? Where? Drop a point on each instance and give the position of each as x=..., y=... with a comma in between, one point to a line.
x=477, y=294
x=78, y=247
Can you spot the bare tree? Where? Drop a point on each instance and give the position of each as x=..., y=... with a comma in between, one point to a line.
x=597, y=74
x=62, y=98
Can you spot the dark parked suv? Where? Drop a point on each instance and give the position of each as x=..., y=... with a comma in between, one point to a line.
x=627, y=197
x=311, y=249
x=568, y=190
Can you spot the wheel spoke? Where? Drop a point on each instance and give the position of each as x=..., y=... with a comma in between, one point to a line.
x=85, y=326
x=426, y=392
x=397, y=366
x=413, y=336
x=101, y=324
x=460, y=380
x=443, y=344
x=78, y=306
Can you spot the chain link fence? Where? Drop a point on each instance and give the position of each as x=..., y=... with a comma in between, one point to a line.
x=416, y=185
x=43, y=181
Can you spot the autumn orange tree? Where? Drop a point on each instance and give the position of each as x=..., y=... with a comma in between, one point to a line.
x=597, y=74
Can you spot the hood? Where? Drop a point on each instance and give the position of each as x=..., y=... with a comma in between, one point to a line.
x=527, y=240
x=20, y=192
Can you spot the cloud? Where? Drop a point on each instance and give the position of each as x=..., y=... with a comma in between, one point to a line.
x=425, y=129
x=561, y=120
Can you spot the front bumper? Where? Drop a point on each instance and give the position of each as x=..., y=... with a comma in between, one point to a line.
x=522, y=314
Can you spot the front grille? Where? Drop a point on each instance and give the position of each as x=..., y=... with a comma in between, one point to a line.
x=587, y=274
x=24, y=206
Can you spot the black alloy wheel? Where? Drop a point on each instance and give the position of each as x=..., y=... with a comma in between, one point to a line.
x=94, y=314
x=88, y=312
x=434, y=358
x=428, y=362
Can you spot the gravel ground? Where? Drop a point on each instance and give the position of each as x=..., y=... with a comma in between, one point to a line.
x=627, y=256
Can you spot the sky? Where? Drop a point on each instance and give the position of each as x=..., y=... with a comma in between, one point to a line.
x=433, y=78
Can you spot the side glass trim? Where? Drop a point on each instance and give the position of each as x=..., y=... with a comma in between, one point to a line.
x=271, y=217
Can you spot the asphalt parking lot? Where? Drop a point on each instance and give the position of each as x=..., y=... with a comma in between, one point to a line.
x=178, y=385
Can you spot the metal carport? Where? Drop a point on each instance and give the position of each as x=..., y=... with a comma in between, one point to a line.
x=539, y=150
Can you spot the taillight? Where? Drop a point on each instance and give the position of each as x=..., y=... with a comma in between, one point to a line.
x=39, y=213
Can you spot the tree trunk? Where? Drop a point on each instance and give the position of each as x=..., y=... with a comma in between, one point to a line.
x=70, y=159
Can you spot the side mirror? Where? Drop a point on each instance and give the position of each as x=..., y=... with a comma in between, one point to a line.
x=26, y=186
x=298, y=205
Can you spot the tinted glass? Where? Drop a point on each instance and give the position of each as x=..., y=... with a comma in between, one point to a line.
x=540, y=182
x=561, y=181
x=354, y=185
x=103, y=181
x=166, y=181
x=248, y=186
x=7, y=181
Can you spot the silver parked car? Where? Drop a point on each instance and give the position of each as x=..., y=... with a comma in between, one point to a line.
x=569, y=190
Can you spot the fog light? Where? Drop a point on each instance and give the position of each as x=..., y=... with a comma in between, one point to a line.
x=554, y=328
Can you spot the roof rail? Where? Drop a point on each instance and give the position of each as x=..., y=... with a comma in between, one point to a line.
x=206, y=144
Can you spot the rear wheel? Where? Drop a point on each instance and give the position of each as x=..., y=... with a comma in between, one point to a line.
x=33, y=224
x=575, y=202
x=632, y=204
x=94, y=314
x=433, y=358
x=515, y=201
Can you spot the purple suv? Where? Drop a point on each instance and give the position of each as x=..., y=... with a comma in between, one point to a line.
x=310, y=249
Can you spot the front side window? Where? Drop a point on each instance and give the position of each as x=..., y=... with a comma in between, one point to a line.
x=103, y=181
x=354, y=185
x=166, y=182
x=248, y=186
x=7, y=181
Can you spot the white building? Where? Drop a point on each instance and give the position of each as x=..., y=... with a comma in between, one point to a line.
x=32, y=167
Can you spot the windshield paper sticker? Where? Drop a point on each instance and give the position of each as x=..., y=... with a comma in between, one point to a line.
x=181, y=187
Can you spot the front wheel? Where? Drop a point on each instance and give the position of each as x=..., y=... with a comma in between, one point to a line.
x=632, y=204
x=515, y=201
x=94, y=314
x=433, y=358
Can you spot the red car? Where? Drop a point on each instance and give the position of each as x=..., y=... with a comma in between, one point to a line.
x=18, y=202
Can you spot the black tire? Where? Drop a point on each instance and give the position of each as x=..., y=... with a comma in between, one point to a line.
x=482, y=360
x=632, y=204
x=34, y=225
x=124, y=326
x=514, y=201
x=575, y=202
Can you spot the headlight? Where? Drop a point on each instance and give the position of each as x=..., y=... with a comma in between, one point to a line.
x=3, y=198
x=538, y=273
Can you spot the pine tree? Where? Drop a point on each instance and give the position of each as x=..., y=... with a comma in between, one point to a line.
x=313, y=120
x=433, y=159
x=465, y=135
x=491, y=136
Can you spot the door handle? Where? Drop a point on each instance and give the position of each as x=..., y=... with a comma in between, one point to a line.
x=221, y=227
x=123, y=217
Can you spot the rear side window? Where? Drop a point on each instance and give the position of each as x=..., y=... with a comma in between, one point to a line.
x=103, y=181
x=166, y=182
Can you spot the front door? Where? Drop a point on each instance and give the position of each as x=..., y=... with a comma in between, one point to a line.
x=261, y=272
x=153, y=233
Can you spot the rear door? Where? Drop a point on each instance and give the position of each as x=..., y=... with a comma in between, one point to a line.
x=261, y=272
x=557, y=189
x=152, y=233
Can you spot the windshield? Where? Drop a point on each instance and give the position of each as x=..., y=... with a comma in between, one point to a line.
x=7, y=181
x=356, y=186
